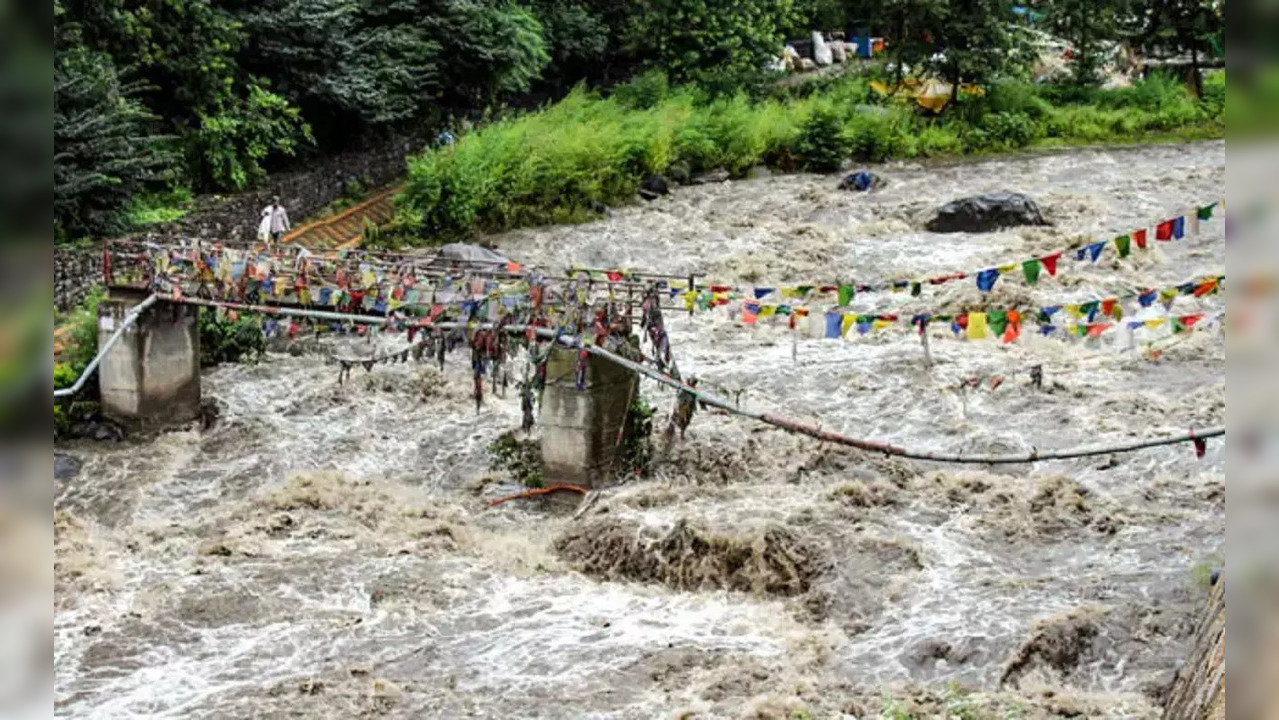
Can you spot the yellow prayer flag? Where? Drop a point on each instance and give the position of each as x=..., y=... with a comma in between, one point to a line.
x=1009, y=268
x=1074, y=311
x=881, y=324
x=1167, y=295
x=1152, y=324
x=846, y=322
x=977, y=327
x=767, y=310
x=791, y=293
x=690, y=298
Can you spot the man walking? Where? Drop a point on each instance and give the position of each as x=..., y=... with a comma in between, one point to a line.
x=275, y=220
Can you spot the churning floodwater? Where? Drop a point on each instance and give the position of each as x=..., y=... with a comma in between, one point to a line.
x=324, y=550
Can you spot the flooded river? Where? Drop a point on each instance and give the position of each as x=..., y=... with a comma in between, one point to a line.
x=324, y=550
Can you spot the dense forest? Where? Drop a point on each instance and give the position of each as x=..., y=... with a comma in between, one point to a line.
x=194, y=96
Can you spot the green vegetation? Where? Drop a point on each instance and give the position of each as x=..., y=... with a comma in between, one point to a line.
x=564, y=163
x=636, y=451
x=223, y=339
x=212, y=95
x=521, y=458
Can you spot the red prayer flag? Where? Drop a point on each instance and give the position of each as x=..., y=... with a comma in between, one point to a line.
x=1190, y=320
x=1163, y=231
x=1050, y=262
x=962, y=321
x=513, y=267
x=1096, y=329
x=1139, y=237
x=1201, y=446
x=1108, y=307
x=1207, y=287
x=720, y=288
x=614, y=276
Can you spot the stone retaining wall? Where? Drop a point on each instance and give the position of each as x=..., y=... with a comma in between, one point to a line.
x=76, y=271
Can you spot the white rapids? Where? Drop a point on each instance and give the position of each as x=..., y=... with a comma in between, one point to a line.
x=324, y=550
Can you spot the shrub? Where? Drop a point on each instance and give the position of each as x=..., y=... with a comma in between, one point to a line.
x=225, y=340
x=1003, y=131
x=822, y=145
x=644, y=91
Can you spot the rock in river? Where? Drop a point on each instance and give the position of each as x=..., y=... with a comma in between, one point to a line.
x=985, y=213
x=653, y=187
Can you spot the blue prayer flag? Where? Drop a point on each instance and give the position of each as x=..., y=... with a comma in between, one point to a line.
x=1147, y=298
x=986, y=279
x=833, y=320
x=1094, y=250
x=1179, y=228
x=761, y=293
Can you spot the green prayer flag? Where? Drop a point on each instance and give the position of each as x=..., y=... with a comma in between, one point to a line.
x=803, y=290
x=915, y=289
x=845, y=294
x=1123, y=244
x=997, y=321
x=1178, y=326
x=1030, y=269
x=1205, y=212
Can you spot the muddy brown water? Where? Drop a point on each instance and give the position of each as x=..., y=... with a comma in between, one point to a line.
x=324, y=551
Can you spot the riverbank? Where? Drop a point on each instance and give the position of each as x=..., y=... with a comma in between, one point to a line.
x=572, y=159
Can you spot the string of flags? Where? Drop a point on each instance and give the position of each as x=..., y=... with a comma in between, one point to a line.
x=1085, y=319
x=1031, y=269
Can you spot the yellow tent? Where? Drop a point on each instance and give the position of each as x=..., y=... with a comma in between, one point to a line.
x=931, y=94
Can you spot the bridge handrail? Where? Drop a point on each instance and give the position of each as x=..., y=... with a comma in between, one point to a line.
x=129, y=319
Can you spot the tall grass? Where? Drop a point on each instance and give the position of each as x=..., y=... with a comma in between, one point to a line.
x=567, y=162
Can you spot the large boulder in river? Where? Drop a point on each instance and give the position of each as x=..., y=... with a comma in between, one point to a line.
x=985, y=213
x=653, y=187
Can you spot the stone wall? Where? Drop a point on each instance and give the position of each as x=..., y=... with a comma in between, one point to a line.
x=1199, y=690
x=76, y=270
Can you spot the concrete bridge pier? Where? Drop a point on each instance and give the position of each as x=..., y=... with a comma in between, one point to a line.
x=151, y=377
x=581, y=428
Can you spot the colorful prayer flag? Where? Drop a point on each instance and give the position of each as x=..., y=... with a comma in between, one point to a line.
x=833, y=325
x=1050, y=262
x=1030, y=269
x=986, y=279
x=845, y=294
x=1094, y=250
x=1179, y=228
x=1123, y=244
x=998, y=321
x=977, y=327
x=1139, y=237
x=1205, y=212
x=761, y=293
x=1207, y=287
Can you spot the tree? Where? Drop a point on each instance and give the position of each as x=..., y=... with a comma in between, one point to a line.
x=184, y=54
x=977, y=41
x=106, y=146
x=1177, y=27
x=699, y=39
x=1089, y=26
x=358, y=68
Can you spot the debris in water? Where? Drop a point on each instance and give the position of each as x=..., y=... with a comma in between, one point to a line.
x=1057, y=642
x=770, y=560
